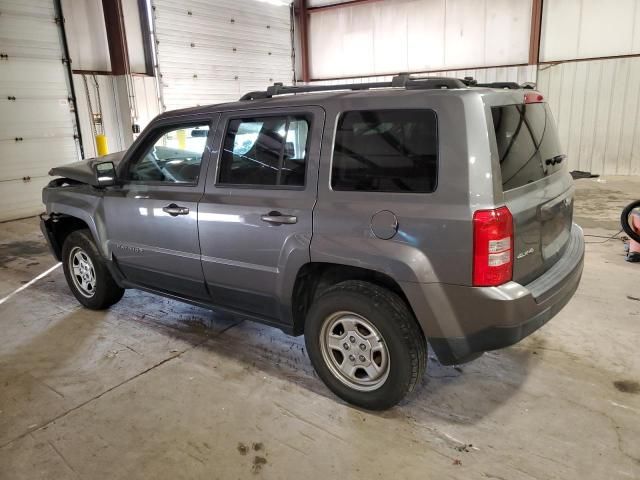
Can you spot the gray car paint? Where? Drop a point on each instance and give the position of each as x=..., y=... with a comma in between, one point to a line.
x=249, y=266
x=84, y=170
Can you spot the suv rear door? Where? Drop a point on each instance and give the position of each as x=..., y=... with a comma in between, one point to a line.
x=538, y=189
x=255, y=219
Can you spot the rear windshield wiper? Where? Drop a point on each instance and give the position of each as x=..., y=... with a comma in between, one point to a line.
x=555, y=160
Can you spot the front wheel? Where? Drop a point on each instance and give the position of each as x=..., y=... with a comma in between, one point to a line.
x=365, y=344
x=86, y=272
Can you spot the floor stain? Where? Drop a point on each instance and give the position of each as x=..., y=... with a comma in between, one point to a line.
x=257, y=446
x=242, y=448
x=627, y=386
x=22, y=249
x=633, y=298
x=258, y=463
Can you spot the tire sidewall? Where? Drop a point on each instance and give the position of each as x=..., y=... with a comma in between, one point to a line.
x=382, y=316
x=104, y=283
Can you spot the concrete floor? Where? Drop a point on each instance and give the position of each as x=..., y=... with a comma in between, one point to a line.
x=157, y=389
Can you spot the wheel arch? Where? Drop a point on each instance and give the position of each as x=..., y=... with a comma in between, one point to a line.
x=314, y=277
x=59, y=226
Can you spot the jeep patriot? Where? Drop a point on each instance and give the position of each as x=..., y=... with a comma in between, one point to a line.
x=372, y=218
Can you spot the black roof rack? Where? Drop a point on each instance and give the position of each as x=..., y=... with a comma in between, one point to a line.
x=400, y=81
x=471, y=82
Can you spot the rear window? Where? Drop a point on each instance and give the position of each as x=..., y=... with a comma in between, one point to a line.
x=528, y=143
x=386, y=151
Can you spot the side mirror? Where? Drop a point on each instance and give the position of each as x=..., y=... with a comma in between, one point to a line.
x=105, y=174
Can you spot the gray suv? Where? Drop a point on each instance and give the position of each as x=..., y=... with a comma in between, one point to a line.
x=371, y=218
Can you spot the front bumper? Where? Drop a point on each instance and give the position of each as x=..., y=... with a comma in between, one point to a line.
x=462, y=322
x=46, y=226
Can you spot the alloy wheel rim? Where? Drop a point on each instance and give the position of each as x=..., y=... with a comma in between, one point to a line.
x=355, y=351
x=82, y=272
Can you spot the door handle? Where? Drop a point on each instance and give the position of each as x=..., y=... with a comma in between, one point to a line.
x=278, y=218
x=175, y=210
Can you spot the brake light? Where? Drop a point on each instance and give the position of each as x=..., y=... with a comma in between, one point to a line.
x=533, y=97
x=492, y=247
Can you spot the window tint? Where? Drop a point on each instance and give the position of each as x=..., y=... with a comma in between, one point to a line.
x=174, y=157
x=265, y=151
x=527, y=143
x=386, y=151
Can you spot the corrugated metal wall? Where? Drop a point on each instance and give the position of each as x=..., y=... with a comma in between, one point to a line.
x=215, y=52
x=36, y=120
x=113, y=93
x=595, y=102
x=573, y=29
x=418, y=35
x=596, y=105
x=519, y=74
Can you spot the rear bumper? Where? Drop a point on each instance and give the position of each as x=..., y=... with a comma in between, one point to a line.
x=462, y=322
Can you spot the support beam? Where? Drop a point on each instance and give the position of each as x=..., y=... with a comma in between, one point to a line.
x=302, y=16
x=116, y=36
x=146, y=37
x=536, y=26
x=57, y=4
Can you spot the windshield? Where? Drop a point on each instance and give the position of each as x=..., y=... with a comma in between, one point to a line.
x=527, y=143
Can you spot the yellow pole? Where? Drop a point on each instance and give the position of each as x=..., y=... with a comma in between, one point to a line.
x=102, y=145
x=182, y=139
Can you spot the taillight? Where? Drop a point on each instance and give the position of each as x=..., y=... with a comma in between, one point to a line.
x=492, y=247
x=533, y=97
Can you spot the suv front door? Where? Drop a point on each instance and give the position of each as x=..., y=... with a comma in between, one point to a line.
x=152, y=215
x=255, y=219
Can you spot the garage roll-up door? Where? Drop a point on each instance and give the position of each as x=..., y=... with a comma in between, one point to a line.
x=215, y=51
x=36, y=121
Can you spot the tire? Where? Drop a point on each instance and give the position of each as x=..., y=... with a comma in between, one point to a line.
x=624, y=220
x=367, y=313
x=91, y=284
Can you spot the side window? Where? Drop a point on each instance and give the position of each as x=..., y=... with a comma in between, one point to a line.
x=174, y=157
x=265, y=151
x=386, y=151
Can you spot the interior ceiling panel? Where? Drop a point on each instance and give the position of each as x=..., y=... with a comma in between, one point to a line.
x=212, y=52
x=36, y=124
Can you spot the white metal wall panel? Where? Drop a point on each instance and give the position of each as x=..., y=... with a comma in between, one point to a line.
x=86, y=35
x=111, y=115
x=40, y=115
x=596, y=105
x=147, y=105
x=573, y=29
x=418, y=35
x=112, y=96
x=323, y=3
x=133, y=29
x=519, y=74
x=212, y=52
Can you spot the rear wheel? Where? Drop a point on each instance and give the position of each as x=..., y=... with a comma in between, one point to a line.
x=365, y=344
x=86, y=272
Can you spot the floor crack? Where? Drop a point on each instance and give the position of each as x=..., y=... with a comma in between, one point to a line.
x=66, y=462
x=124, y=382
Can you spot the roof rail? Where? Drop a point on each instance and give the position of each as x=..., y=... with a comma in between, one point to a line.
x=399, y=81
x=471, y=82
x=505, y=85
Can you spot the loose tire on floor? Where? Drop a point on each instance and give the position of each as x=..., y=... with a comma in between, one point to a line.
x=365, y=344
x=86, y=272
